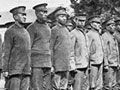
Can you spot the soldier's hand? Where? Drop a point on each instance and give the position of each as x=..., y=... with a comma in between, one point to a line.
x=52, y=69
x=5, y=74
x=106, y=67
x=118, y=67
x=89, y=70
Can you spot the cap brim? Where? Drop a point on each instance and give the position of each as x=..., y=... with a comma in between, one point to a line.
x=17, y=8
x=117, y=21
x=39, y=5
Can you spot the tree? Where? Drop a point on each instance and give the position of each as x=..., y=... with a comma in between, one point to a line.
x=96, y=7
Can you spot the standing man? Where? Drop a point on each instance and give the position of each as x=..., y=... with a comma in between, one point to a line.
x=1, y=62
x=117, y=36
x=111, y=55
x=96, y=53
x=80, y=41
x=16, y=60
x=61, y=50
x=40, y=34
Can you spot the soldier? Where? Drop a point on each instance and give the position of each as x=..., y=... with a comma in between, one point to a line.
x=80, y=41
x=111, y=55
x=16, y=59
x=96, y=53
x=116, y=33
x=70, y=25
x=117, y=36
x=40, y=34
x=0, y=53
x=61, y=50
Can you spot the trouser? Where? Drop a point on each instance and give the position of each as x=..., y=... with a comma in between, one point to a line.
x=81, y=82
x=18, y=82
x=71, y=79
x=96, y=78
x=118, y=78
x=109, y=78
x=60, y=80
x=41, y=79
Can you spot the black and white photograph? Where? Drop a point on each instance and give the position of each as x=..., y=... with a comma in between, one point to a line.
x=59, y=44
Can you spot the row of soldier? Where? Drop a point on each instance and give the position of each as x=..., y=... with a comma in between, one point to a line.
x=69, y=55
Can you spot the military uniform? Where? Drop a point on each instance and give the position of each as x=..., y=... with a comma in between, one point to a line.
x=80, y=42
x=61, y=52
x=16, y=59
x=0, y=53
x=117, y=36
x=111, y=54
x=96, y=56
x=40, y=34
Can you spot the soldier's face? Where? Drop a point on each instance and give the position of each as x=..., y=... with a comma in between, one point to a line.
x=70, y=27
x=118, y=27
x=80, y=21
x=96, y=25
x=20, y=17
x=42, y=15
x=111, y=27
x=62, y=19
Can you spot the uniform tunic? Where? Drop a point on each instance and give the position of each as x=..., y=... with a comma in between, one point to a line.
x=40, y=44
x=96, y=59
x=16, y=58
x=95, y=47
x=61, y=48
x=112, y=52
x=1, y=62
x=80, y=41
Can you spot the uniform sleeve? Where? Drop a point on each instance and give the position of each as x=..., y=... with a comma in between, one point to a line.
x=52, y=42
x=117, y=36
x=31, y=31
x=0, y=52
x=91, y=44
x=73, y=39
x=105, y=50
x=8, y=42
x=73, y=58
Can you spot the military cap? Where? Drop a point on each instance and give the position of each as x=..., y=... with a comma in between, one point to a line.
x=108, y=22
x=117, y=20
x=18, y=10
x=94, y=18
x=41, y=7
x=82, y=16
x=60, y=11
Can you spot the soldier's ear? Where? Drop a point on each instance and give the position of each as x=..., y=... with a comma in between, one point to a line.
x=15, y=16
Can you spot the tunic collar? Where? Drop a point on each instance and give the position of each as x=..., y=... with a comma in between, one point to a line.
x=81, y=29
x=41, y=22
x=19, y=25
x=59, y=25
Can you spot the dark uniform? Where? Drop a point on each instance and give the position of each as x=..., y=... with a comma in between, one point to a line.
x=40, y=34
x=61, y=52
x=16, y=60
x=0, y=53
